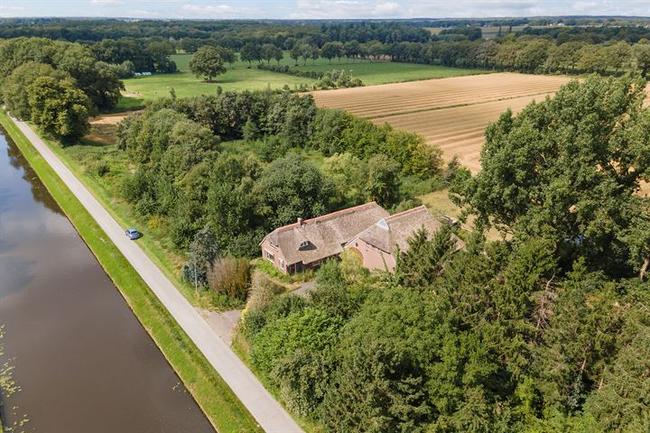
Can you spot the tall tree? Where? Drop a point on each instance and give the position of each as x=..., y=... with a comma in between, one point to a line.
x=250, y=52
x=641, y=53
x=569, y=169
x=383, y=180
x=59, y=107
x=15, y=88
x=292, y=188
x=207, y=63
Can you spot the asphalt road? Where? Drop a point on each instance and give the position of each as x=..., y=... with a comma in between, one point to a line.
x=259, y=402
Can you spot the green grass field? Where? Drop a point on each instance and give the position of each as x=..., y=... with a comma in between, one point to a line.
x=238, y=77
x=242, y=77
x=372, y=73
x=212, y=394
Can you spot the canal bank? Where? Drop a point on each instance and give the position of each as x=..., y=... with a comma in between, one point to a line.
x=216, y=399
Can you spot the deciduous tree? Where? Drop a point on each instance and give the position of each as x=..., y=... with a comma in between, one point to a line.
x=207, y=63
x=59, y=107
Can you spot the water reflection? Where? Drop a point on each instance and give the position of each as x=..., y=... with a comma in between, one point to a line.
x=39, y=192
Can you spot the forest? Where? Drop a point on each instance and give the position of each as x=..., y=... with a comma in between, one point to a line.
x=56, y=84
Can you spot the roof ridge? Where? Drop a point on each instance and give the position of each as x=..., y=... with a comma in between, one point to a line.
x=406, y=212
x=329, y=216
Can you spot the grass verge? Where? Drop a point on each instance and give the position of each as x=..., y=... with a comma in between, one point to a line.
x=221, y=406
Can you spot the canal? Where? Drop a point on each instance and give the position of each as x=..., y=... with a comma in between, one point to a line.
x=82, y=360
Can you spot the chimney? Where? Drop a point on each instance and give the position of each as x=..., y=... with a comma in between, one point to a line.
x=300, y=222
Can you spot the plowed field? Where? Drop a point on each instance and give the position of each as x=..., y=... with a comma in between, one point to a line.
x=451, y=112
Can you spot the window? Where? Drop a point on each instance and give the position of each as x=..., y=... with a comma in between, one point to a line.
x=268, y=255
x=304, y=245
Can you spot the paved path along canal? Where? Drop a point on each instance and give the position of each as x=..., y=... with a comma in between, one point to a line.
x=259, y=402
x=83, y=361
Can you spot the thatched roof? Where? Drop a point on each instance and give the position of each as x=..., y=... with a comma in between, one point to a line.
x=315, y=239
x=393, y=232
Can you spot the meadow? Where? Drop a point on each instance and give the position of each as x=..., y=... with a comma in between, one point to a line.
x=238, y=77
x=242, y=76
x=372, y=73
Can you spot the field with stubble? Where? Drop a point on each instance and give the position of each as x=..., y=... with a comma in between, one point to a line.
x=451, y=112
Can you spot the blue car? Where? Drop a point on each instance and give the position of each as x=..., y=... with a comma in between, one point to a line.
x=133, y=234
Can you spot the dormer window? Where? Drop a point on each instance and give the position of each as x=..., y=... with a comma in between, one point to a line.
x=382, y=224
x=304, y=245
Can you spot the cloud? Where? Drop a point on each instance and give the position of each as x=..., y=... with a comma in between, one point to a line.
x=11, y=10
x=386, y=8
x=306, y=9
x=213, y=11
x=106, y=2
x=315, y=9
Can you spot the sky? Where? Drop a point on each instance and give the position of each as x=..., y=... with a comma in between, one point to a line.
x=317, y=9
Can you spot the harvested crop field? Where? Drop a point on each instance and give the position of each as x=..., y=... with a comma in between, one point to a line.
x=451, y=112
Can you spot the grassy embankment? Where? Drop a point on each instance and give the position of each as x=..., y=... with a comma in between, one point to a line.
x=216, y=399
x=242, y=76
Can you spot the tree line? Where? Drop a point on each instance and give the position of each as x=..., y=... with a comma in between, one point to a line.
x=524, y=54
x=58, y=85
x=189, y=35
x=136, y=54
x=528, y=54
x=591, y=34
x=545, y=330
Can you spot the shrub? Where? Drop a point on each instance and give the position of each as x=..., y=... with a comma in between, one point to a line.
x=102, y=168
x=310, y=329
x=265, y=306
x=262, y=292
x=231, y=276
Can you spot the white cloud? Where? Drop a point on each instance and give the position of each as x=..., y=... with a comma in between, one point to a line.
x=106, y=2
x=140, y=13
x=213, y=11
x=386, y=8
x=6, y=10
x=306, y=9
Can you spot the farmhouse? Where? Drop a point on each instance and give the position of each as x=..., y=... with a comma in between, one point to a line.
x=379, y=244
x=369, y=230
x=307, y=243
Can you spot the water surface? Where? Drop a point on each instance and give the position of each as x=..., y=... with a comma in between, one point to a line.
x=83, y=361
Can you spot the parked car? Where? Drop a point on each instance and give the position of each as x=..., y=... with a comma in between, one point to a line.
x=133, y=234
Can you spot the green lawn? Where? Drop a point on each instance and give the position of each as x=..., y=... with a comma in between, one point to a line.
x=216, y=399
x=242, y=76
